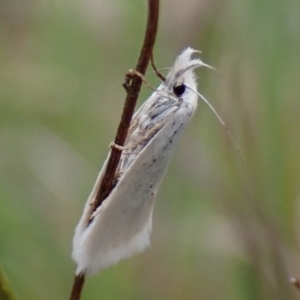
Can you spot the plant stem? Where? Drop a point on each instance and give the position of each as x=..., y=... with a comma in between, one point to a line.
x=133, y=86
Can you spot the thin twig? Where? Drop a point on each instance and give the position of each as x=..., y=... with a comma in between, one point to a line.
x=158, y=74
x=133, y=84
x=77, y=287
x=133, y=87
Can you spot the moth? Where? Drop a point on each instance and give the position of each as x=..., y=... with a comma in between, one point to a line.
x=122, y=224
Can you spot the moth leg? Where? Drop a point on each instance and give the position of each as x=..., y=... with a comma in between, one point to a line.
x=129, y=148
x=130, y=75
x=119, y=147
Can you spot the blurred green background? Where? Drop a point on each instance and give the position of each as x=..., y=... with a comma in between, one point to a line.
x=220, y=230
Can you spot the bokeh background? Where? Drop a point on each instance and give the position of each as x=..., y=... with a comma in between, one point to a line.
x=223, y=228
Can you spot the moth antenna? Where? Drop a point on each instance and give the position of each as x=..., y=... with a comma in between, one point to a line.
x=228, y=132
x=212, y=68
x=165, y=68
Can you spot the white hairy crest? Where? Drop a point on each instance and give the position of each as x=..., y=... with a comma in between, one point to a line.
x=121, y=225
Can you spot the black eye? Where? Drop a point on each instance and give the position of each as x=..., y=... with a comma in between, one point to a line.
x=179, y=89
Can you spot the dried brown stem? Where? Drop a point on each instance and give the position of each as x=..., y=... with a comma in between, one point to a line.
x=133, y=87
x=133, y=83
x=77, y=287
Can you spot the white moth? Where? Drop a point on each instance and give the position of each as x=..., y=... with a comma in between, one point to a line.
x=121, y=225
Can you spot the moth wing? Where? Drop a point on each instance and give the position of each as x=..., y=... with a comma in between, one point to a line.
x=123, y=223
x=83, y=222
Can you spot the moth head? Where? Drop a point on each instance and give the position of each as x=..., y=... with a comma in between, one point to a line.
x=182, y=76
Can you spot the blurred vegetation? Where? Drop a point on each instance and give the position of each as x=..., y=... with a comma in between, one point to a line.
x=6, y=292
x=221, y=231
